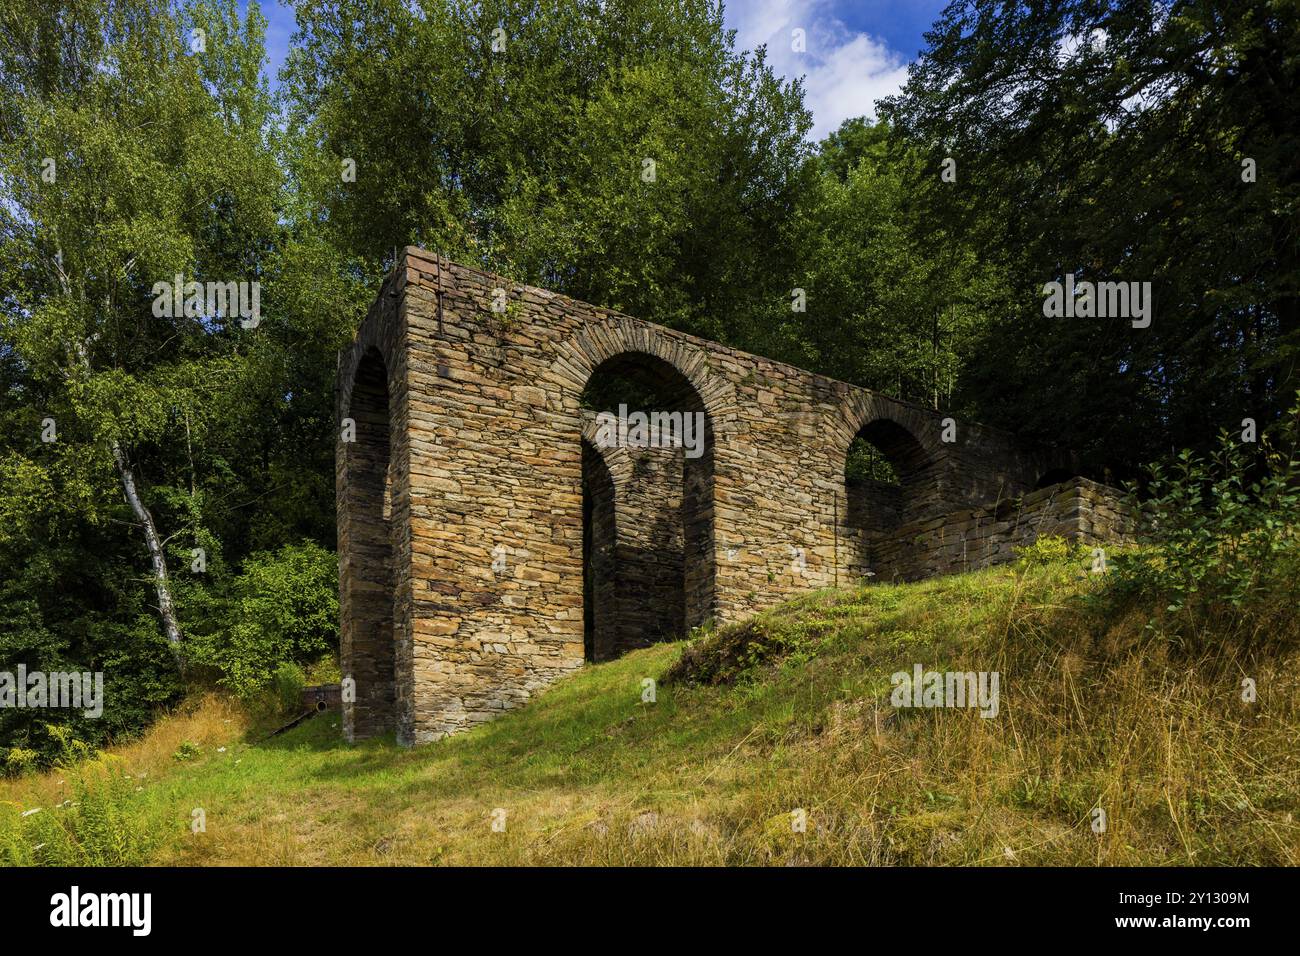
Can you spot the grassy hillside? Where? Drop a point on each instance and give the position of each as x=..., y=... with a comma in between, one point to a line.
x=790, y=711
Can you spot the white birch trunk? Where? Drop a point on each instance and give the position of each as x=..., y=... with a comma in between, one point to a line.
x=166, y=609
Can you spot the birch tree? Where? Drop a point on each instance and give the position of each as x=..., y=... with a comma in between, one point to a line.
x=132, y=153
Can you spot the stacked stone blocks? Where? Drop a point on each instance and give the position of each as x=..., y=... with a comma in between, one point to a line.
x=489, y=547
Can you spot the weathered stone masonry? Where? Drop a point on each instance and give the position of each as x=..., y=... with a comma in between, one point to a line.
x=470, y=443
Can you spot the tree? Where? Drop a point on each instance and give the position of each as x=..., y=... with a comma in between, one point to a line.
x=1122, y=141
x=132, y=152
x=622, y=152
x=889, y=306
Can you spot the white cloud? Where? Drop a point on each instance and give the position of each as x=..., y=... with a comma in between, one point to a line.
x=1076, y=44
x=844, y=71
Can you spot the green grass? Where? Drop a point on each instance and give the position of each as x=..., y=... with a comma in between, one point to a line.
x=788, y=712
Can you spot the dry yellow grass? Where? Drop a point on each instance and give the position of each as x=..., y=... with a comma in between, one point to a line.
x=207, y=719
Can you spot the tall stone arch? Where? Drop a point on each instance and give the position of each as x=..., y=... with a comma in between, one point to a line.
x=372, y=503
x=660, y=499
x=906, y=441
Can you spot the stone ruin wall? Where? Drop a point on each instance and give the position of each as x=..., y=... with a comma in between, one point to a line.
x=1078, y=510
x=463, y=525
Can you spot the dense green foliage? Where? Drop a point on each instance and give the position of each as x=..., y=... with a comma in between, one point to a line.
x=282, y=609
x=1109, y=140
x=161, y=166
x=94, y=826
x=1220, y=538
x=518, y=136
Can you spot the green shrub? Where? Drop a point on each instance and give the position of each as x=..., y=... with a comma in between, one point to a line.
x=139, y=674
x=325, y=670
x=283, y=609
x=288, y=683
x=188, y=750
x=738, y=651
x=19, y=760
x=99, y=825
x=1218, y=534
x=1046, y=549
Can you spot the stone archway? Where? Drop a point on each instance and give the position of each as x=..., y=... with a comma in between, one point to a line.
x=367, y=647
x=897, y=482
x=581, y=355
x=888, y=479
x=647, y=505
x=908, y=483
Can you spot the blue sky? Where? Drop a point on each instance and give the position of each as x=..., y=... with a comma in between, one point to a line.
x=856, y=50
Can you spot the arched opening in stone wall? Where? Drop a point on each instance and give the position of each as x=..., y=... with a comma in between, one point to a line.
x=648, y=558
x=367, y=639
x=865, y=461
x=888, y=481
x=599, y=545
